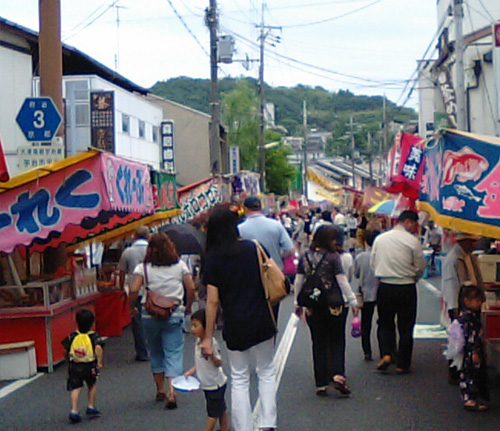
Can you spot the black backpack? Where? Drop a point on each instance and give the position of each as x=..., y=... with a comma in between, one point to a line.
x=314, y=293
x=311, y=295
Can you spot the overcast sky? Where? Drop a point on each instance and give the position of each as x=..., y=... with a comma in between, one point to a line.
x=366, y=46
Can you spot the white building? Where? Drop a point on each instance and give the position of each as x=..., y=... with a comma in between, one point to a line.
x=437, y=81
x=137, y=115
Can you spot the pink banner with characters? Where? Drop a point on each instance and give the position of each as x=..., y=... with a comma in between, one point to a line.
x=69, y=194
x=128, y=184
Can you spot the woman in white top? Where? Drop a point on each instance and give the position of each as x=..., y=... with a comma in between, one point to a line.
x=165, y=274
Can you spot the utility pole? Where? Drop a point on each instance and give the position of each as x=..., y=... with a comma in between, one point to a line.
x=383, y=147
x=370, y=167
x=352, y=156
x=304, y=149
x=458, y=14
x=117, y=53
x=50, y=51
x=262, y=155
x=211, y=20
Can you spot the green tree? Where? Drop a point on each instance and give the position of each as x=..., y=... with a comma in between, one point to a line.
x=240, y=113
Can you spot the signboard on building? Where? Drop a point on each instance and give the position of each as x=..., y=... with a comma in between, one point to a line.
x=234, y=159
x=167, y=146
x=32, y=156
x=102, y=120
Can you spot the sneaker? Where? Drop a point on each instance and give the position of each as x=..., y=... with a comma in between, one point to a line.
x=74, y=418
x=93, y=412
x=368, y=357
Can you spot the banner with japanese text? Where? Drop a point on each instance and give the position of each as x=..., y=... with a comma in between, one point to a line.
x=128, y=184
x=461, y=183
x=406, y=165
x=35, y=209
x=164, y=191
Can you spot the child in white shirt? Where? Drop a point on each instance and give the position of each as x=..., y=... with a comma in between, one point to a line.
x=209, y=371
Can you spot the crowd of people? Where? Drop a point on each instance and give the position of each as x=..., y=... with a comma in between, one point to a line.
x=336, y=251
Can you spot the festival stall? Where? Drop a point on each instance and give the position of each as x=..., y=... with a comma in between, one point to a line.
x=460, y=190
x=80, y=198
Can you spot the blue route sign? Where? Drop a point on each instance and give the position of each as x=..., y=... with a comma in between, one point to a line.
x=39, y=119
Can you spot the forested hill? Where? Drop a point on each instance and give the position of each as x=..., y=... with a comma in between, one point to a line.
x=327, y=111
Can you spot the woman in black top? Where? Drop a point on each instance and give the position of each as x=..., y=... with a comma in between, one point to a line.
x=327, y=323
x=232, y=276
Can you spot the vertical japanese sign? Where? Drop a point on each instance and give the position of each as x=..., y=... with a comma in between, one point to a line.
x=102, y=120
x=234, y=159
x=406, y=165
x=461, y=183
x=167, y=146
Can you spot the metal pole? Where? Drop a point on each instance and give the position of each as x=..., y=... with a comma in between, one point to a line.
x=458, y=13
x=214, y=143
x=352, y=156
x=262, y=155
x=370, y=167
x=304, y=148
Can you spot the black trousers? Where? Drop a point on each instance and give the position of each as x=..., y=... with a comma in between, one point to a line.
x=366, y=326
x=397, y=301
x=328, y=344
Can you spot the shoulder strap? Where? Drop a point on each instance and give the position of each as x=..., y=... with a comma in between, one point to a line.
x=314, y=269
x=146, y=281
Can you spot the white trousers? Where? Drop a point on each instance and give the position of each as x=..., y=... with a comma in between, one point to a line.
x=241, y=409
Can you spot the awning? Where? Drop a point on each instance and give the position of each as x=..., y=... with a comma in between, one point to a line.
x=461, y=183
x=73, y=198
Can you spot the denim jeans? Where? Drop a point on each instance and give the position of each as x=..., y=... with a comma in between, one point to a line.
x=165, y=343
x=241, y=409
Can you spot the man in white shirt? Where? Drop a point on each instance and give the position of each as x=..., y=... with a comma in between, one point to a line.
x=398, y=262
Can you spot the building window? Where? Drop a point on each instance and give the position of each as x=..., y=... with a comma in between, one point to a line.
x=155, y=134
x=77, y=97
x=125, y=123
x=142, y=129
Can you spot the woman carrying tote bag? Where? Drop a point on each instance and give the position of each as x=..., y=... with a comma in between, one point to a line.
x=232, y=275
x=327, y=319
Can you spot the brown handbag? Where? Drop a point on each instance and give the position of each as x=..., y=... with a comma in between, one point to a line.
x=158, y=306
x=273, y=279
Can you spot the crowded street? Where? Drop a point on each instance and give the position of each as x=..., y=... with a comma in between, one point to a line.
x=419, y=401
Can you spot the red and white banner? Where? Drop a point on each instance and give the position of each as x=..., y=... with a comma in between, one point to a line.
x=406, y=165
x=4, y=172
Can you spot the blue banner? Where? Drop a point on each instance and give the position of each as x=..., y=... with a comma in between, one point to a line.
x=460, y=186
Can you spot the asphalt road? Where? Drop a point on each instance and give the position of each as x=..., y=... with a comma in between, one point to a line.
x=419, y=401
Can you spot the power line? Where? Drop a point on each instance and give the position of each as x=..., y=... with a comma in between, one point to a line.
x=333, y=18
x=312, y=66
x=75, y=32
x=188, y=29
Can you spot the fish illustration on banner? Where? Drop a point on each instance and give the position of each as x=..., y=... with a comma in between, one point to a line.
x=460, y=185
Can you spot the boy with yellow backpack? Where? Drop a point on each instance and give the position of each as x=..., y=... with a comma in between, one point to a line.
x=84, y=353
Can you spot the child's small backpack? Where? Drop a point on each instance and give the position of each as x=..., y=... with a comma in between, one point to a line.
x=456, y=343
x=82, y=348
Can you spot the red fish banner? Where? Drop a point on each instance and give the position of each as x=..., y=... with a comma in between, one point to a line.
x=461, y=182
x=406, y=165
x=4, y=172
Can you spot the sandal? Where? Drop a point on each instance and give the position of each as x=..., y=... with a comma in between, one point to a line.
x=171, y=403
x=339, y=383
x=476, y=407
x=321, y=391
x=161, y=396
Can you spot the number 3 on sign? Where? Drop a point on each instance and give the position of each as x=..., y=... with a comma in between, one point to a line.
x=39, y=122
